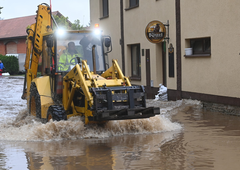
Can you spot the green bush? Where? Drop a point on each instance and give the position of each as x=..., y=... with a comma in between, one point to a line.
x=10, y=63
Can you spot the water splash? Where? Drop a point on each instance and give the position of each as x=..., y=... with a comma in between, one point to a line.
x=17, y=125
x=29, y=128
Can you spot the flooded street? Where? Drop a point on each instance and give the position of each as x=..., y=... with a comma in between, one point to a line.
x=183, y=137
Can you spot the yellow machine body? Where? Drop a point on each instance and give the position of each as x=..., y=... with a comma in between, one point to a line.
x=88, y=88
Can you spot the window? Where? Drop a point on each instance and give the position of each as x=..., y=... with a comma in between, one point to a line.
x=201, y=45
x=135, y=62
x=104, y=9
x=11, y=47
x=81, y=46
x=133, y=3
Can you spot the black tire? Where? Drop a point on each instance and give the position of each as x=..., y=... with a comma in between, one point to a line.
x=34, y=102
x=57, y=113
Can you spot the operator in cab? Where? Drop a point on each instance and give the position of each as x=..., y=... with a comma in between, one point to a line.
x=67, y=58
x=87, y=43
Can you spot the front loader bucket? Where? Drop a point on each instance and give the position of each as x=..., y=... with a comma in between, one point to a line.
x=120, y=103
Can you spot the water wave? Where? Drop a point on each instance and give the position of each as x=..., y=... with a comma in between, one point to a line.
x=17, y=125
x=29, y=128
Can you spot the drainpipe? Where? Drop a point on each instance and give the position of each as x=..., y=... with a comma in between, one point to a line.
x=122, y=36
x=178, y=50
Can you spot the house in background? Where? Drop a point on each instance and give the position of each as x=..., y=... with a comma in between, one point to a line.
x=13, y=37
x=210, y=73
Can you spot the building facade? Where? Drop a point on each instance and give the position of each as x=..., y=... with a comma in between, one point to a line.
x=209, y=30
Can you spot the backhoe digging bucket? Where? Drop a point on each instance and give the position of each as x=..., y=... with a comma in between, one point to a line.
x=119, y=103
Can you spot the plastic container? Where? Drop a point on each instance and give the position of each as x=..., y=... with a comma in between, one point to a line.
x=188, y=51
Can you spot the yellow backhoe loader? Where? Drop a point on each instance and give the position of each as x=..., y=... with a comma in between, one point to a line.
x=58, y=88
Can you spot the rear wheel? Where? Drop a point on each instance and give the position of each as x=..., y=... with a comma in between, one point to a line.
x=56, y=113
x=34, y=102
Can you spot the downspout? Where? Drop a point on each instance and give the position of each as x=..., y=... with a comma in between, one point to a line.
x=122, y=36
x=178, y=50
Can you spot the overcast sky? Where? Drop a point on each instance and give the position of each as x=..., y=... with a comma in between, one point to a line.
x=73, y=9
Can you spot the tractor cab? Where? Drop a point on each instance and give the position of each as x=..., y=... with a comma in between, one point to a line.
x=73, y=47
x=62, y=51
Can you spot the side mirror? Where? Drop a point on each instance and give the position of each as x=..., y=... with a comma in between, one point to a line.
x=107, y=42
x=50, y=42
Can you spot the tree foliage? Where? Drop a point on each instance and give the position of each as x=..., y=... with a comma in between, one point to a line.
x=0, y=9
x=76, y=25
x=0, y=13
x=10, y=63
x=62, y=22
x=65, y=23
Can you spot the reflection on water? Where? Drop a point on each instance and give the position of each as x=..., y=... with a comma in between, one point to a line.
x=183, y=137
x=122, y=152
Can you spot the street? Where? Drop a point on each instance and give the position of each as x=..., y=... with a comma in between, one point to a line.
x=184, y=136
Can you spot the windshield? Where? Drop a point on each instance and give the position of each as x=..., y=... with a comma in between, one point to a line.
x=74, y=45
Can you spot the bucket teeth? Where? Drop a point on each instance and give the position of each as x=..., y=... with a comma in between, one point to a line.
x=126, y=114
x=119, y=103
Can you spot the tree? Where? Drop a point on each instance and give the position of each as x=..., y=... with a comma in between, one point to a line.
x=63, y=22
x=10, y=63
x=76, y=25
x=0, y=12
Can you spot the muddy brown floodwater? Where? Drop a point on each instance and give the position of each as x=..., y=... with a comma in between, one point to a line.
x=183, y=137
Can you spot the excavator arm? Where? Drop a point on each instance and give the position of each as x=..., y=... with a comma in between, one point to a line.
x=34, y=45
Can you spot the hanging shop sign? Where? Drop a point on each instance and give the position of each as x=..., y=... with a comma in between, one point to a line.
x=171, y=61
x=155, y=31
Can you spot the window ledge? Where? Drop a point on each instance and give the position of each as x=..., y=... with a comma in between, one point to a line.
x=136, y=78
x=104, y=17
x=197, y=55
x=131, y=7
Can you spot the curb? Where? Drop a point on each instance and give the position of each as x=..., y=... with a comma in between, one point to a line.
x=13, y=77
x=16, y=77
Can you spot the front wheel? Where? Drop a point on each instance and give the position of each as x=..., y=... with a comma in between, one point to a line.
x=56, y=113
x=34, y=102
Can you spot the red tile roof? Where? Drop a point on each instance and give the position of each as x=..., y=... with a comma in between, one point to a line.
x=16, y=27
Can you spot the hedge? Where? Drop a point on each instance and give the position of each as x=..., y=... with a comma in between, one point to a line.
x=10, y=63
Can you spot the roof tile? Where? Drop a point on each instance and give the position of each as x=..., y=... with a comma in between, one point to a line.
x=16, y=27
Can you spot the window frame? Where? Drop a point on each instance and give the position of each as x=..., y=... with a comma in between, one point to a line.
x=132, y=5
x=138, y=61
x=203, y=42
x=104, y=9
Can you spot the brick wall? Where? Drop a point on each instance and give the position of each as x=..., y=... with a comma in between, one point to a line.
x=2, y=48
x=17, y=46
x=21, y=46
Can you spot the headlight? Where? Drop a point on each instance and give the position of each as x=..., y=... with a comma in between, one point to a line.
x=97, y=31
x=61, y=32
